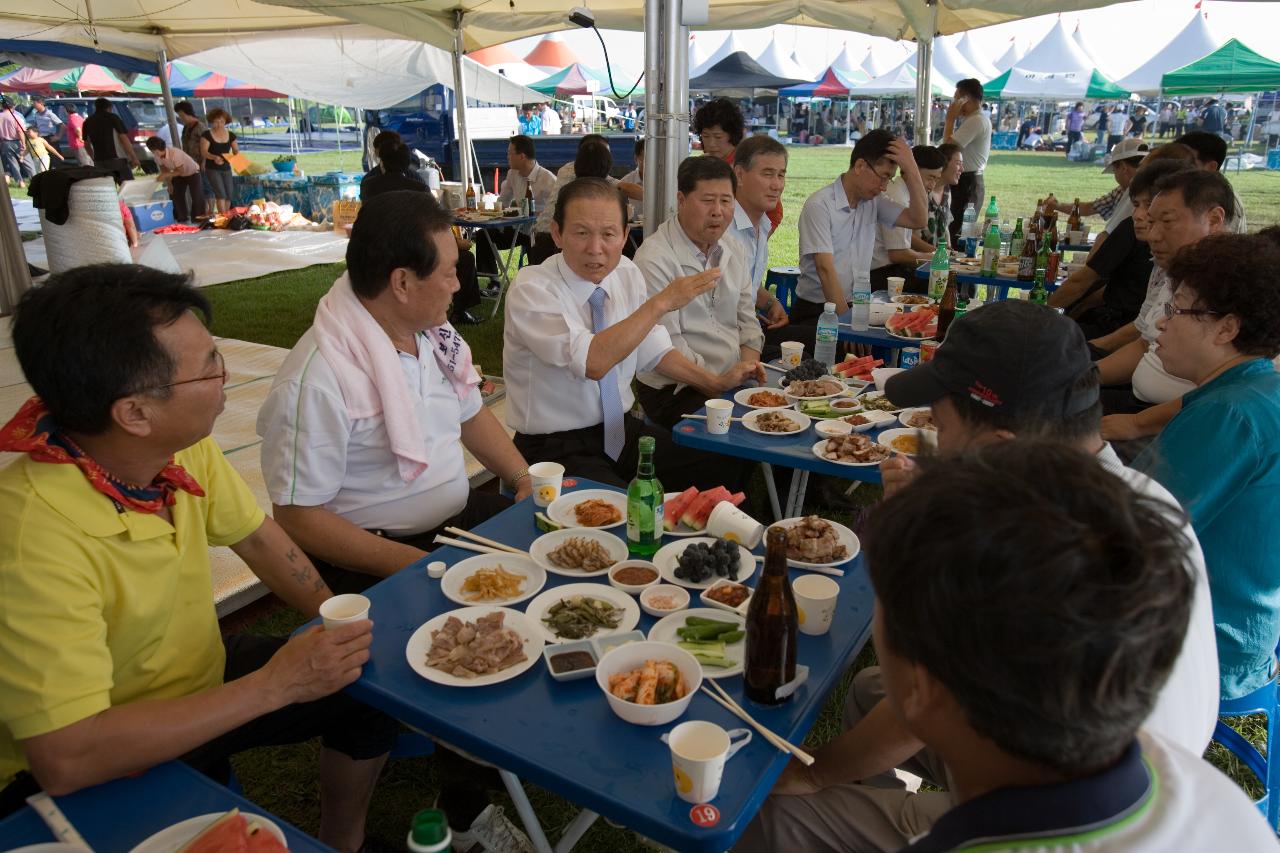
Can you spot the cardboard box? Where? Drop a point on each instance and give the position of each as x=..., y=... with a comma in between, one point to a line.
x=152, y=215
x=345, y=211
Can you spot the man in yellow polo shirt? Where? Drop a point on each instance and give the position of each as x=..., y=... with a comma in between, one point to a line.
x=110, y=655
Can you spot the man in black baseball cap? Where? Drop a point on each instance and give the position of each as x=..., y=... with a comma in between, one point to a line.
x=1009, y=369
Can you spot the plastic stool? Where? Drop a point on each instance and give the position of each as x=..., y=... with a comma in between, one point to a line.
x=1264, y=700
x=783, y=281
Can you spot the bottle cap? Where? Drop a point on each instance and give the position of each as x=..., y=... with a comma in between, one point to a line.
x=429, y=831
x=647, y=444
x=829, y=306
x=436, y=569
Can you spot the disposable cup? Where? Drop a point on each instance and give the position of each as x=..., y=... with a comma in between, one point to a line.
x=816, y=600
x=896, y=284
x=546, y=478
x=718, y=414
x=1075, y=237
x=730, y=523
x=792, y=353
x=699, y=751
x=341, y=609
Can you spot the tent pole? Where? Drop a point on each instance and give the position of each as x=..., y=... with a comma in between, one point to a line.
x=460, y=106
x=162, y=71
x=666, y=106
x=924, y=77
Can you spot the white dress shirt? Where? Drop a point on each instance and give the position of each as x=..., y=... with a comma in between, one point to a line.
x=753, y=237
x=891, y=237
x=974, y=138
x=710, y=330
x=830, y=225
x=514, y=185
x=547, y=337
x=1187, y=707
x=550, y=120
x=314, y=454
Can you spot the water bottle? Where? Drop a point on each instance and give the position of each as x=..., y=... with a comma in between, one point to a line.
x=969, y=231
x=824, y=348
x=861, y=301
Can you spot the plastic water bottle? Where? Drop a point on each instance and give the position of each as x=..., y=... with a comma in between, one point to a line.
x=969, y=230
x=861, y=301
x=824, y=348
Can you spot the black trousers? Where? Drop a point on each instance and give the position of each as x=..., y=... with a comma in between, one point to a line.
x=581, y=452
x=543, y=247
x=181, y=186
x=505, y=238
x=970, y=189
x=481, y=506
x=468, y=295
x=913, y=284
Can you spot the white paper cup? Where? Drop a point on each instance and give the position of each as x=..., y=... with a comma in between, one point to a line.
x=1076, y=238
x=792, y=353
x=718, y=414
x=816, y=599
x=341, y=609
x=896, y=284
x=730, y=523
x=699, y=751
x=546, y=478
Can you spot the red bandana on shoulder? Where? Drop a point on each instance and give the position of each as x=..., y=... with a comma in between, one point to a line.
x=32, y=431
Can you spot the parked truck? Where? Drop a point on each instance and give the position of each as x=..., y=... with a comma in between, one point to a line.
x=425, y=122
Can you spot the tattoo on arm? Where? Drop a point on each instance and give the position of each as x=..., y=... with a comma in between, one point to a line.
x=304, y=574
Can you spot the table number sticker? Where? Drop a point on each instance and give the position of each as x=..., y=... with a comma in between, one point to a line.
x=704, y=815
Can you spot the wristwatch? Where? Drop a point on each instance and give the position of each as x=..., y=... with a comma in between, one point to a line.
x=519, y=475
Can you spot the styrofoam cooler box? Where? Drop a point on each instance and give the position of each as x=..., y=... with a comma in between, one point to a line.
x=152, y=214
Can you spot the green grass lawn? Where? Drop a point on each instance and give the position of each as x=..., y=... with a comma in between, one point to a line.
x=276, y=309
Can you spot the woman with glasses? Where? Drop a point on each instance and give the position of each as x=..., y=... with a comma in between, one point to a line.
x=1221, y=331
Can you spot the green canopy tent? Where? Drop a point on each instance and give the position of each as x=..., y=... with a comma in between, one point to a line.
x=1042, y=85
x=1234, y=67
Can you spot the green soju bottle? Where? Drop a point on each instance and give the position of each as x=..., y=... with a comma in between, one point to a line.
x=939, y=268
x=644, y=505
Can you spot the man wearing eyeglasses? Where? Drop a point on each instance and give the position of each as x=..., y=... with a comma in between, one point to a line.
x=105, y=525
x=838, y=223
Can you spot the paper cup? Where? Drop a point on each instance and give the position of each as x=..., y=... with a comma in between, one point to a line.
x=1075, y=238
x=730, y=523
x=718, y=414
x=816, y=600
x=342, y=609
x=792, y=353
x=896, y=284
x=546, y=478
x=699, y=751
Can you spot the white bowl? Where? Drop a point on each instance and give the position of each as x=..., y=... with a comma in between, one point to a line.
x=633, y=589
x=832, y=428
x=904, y=417
x=928, y=439
x=882, y=311
x=875, y=420
x=632, y=656
x=679, y=593
x=741, y=609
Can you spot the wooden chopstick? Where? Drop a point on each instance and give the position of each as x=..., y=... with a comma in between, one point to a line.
x=734, y=708
x=468, y=546
x=467, y=534
x=772, y=366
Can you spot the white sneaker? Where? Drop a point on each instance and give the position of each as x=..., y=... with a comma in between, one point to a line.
x=492, y=832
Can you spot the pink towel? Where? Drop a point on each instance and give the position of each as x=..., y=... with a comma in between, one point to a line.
x=367, y=367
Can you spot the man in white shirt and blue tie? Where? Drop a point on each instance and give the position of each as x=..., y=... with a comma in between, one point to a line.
x=578, y=328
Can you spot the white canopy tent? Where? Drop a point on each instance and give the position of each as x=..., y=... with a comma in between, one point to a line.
x=732, y=44
x=976, y=56
x=1010, y=57
x=776, y=60
x=901, y=80
x=1057, y=51
x=882, y=57
x=949, y=63
x=700, y=48
x=1078, y=37
x=848, y=61
x=1193, y=42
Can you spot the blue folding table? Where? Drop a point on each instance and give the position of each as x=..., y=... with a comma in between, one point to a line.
x=117, y=816
x=563, y=736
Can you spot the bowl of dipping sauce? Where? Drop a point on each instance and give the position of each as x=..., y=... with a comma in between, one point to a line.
x=664, y=598
x=633, y=576
x=570, y=661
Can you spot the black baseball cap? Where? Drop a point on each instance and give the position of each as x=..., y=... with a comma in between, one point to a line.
x=1007, y=356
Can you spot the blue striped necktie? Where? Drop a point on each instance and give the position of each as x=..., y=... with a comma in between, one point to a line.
x=610, y=400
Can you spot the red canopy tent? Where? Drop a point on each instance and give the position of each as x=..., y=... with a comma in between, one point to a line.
x=87, y=80
x=220, y=86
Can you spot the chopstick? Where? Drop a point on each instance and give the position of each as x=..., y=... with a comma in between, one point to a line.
x=704, y=417
x=734, y=708
x=771, y=366
x=457, y=531
x=822, y=570
x=468, y=546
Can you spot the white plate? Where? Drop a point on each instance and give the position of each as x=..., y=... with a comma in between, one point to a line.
x=904, y=418
x=561, y=509
x=847, y=538
x=744, y=394
x=542, y=547
x=664, y=631
x=416, y=649
x=817, y=451
x=876, y=395
x=899, y=300
x=49, y=847
x=540, y=605
x=682, y=529
x=800, y=419
x=905, y=337
x=885, y=439
x=451, y=583
x=668, y=555
x=836, y=379
x=171, y=838
x=878, y=420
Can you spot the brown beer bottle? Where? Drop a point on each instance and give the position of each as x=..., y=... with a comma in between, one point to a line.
x=1027, y=260
x=772, y=623
x=947, y=308
x=1073, y=221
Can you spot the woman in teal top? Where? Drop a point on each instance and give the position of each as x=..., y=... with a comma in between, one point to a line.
x=1220, y=456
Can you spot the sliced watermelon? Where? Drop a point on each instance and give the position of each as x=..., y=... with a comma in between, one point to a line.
x=227, y=834
x=898, y=322
x=695, y=517
x=737, y=498
x=673, y=509
x=261, y=840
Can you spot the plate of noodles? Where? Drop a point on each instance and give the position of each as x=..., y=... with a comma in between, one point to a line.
x=495, y=579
